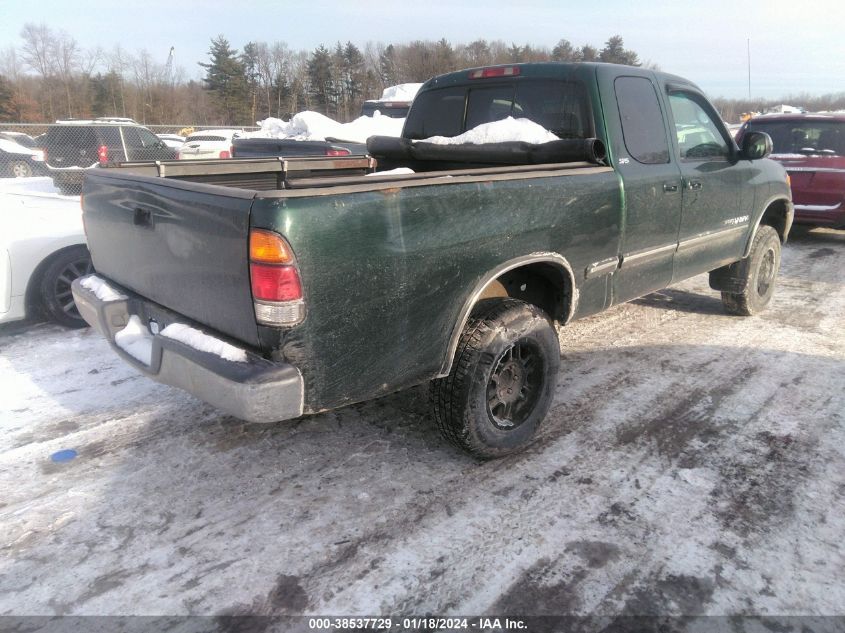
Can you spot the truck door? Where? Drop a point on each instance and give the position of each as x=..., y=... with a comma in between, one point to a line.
x=717, y=196
x=651, y=179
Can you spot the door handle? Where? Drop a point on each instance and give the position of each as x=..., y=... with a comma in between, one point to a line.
x=693, y=185
x=670, y=187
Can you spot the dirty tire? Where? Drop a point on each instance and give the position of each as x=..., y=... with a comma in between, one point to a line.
x=55, y=294
x=502, y=379
x=759, y=271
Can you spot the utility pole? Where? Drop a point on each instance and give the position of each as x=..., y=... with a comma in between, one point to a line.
x=748, y=43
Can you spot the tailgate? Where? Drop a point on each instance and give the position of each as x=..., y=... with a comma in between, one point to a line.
x=182, y=245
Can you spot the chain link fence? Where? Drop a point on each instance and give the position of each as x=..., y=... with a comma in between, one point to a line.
x=64, y=150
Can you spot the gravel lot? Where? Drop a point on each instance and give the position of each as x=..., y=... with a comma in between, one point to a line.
x=693, y=463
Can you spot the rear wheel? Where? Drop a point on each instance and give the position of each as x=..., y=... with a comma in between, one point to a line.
x=759, y=272
x=56, y=295
x=502, y=379
x=19, y=169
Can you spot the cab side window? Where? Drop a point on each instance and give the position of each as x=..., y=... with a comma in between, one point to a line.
x=642, y=120
x=699, y=137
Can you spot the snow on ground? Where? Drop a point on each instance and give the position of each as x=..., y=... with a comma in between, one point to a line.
x=313, y=126
x=39, y=186
x=401, y=92
x=692, y=463
x=502, y=131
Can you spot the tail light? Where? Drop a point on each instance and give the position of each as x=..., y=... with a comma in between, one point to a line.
x=225, y=154
x=44, y=150
x=103, y=154
x=337, y=151
x=274, y=278
x=494, y=71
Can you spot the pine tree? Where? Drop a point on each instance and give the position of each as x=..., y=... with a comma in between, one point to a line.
x=614, y=53
x=226, y=79
x=387, y=66
x=8, y=111
x=321, y=88
x=564, y=52
x=354, y=77
x=588, y=53
x=516, y=54
x=249, y=59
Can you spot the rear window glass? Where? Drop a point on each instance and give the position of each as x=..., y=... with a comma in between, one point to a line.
x=110, y=136
x=71, y=136
x=205, y=138
x=560, y=107
x=805, y=137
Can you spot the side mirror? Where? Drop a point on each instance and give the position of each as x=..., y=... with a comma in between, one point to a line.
x=756, y=145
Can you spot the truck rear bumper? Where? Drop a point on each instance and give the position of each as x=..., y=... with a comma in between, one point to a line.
x=252, y=389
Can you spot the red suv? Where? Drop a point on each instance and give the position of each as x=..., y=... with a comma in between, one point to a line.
x=812, y=149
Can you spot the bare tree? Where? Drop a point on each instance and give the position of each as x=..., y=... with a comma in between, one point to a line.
x=38, y=53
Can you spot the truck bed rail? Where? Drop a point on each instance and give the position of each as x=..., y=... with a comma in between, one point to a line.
x=261, y=174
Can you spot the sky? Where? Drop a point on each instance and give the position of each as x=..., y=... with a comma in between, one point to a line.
x=706, y=42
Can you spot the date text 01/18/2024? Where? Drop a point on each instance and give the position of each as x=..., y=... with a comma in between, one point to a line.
x=416, y=624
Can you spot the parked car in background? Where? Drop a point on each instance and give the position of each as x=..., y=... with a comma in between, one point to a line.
x=812, y=149
x=173, y=141
x=19, y=156
x=288, y=147
x=208, y=144
x=71, y=147
x=395, y=101
x=42, y=250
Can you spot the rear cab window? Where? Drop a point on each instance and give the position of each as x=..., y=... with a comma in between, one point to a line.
x=643, y=129
x=559, y=106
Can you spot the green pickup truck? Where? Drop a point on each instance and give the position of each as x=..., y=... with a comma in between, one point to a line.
x=275, y=288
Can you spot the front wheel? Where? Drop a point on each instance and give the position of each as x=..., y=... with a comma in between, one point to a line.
x=502, y=379
x=56, y=295
x=758, y=273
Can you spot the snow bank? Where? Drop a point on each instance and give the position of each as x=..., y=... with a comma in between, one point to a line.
x=136, y=340
x=313, y=126
x=503, y=131
x=393, y=172
x=402, y=92
x=100, y=288
x=203, y=342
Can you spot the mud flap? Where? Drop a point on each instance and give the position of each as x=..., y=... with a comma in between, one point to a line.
x=732, y=278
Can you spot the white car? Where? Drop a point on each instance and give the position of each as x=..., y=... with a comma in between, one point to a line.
x=173, y=141
x=19, y=157
x=208, y=144
x=42, y=250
